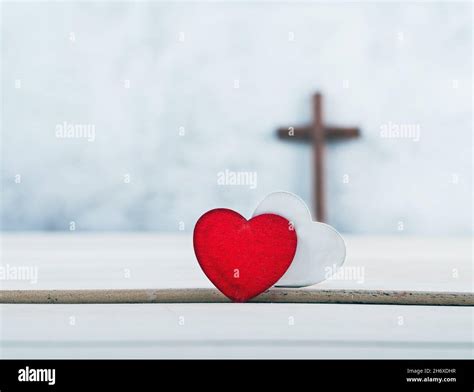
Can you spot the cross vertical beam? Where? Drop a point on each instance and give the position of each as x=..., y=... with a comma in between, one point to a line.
x=316, y=133
x=319, y=151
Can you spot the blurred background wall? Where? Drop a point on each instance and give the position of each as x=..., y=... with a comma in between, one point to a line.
x=172, y=94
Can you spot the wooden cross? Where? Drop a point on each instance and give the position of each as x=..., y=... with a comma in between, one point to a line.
x=317, y=133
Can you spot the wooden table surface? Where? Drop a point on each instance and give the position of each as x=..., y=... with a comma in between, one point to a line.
x=98, y=261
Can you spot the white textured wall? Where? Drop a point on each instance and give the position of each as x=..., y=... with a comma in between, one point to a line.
x=408, y=63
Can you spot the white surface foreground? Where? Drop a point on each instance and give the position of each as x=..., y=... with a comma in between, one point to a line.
x=77, y=261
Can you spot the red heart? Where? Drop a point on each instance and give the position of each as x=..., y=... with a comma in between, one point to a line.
x=243, y=258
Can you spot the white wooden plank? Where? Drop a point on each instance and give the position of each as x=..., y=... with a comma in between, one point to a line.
x=167, y=261
x=236, y=330
x=78, y=261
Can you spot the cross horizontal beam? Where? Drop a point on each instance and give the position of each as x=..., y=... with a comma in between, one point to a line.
x=123, y=296
x=305, y=133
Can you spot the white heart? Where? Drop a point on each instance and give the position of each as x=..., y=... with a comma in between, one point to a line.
x=320, y=250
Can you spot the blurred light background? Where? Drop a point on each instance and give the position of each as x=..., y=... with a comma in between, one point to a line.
x=178, y=92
